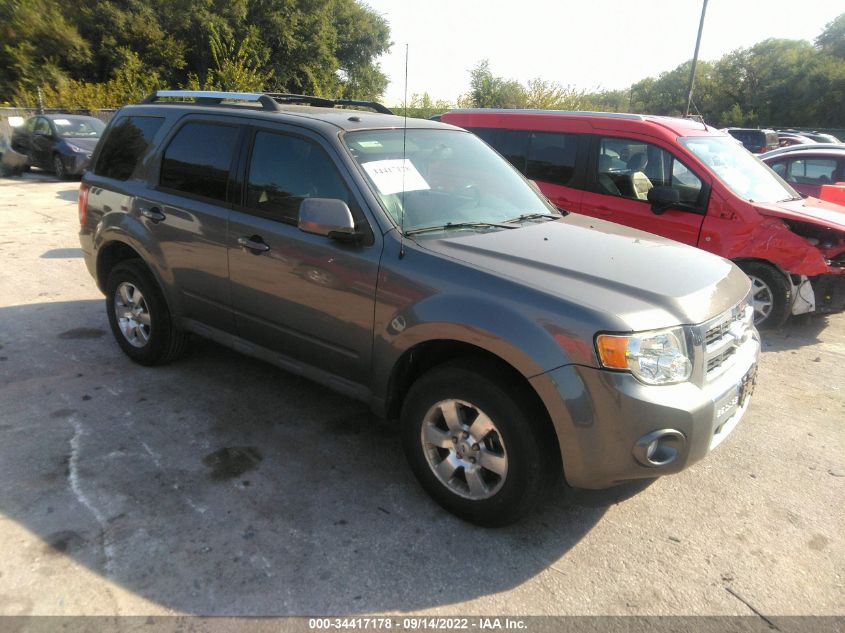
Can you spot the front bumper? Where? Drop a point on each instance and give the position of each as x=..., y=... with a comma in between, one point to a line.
x=76, y=164
x=601, y=416
x=829, y=292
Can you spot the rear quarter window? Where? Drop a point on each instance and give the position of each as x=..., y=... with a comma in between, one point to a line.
x=125, y=144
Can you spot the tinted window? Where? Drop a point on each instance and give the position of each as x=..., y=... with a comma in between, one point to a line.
x=198, y=159
x=513, y=145
x=125, y=144
x=41, y=126
x=551, y=157
x=286, y=169
x=630, y=169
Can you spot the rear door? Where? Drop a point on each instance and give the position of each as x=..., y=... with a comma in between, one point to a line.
x=307, y=297
x=808, y=174
x=620, y=173
x=188, y=214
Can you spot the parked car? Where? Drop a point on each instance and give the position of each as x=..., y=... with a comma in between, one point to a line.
x=787, y=139
x=61, y=143
x=818, y=137
x=510, y=341
x=807, y=171
x=686, y=181
x=800, y=148
x=754, y=140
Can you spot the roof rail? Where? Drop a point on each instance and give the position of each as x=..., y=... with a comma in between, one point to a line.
x=322, y=102
x=213, y=97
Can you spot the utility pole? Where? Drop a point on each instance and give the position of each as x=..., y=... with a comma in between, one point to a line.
x=695, y=56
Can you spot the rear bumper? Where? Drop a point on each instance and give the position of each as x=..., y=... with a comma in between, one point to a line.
x=603, y=418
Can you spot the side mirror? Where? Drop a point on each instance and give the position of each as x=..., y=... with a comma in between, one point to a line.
x=329, y=217
x=662, y=198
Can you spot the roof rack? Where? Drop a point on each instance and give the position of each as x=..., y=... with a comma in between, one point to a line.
x=267, y=100
x=322, y=102
x=212, y=97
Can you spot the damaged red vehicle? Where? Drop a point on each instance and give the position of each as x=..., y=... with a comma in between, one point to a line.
x=686, y=181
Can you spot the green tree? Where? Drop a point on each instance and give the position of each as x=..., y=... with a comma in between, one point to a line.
x=832, y=38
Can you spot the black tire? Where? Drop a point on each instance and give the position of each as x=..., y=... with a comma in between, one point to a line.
x=59, y=167
x=524, y=431
x=164, y=343
x=768, y=280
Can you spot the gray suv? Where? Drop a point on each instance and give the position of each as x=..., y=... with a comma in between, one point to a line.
x=406, y=264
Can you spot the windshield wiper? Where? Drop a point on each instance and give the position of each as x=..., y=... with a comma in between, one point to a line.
x=534, y=216
x=458, y=225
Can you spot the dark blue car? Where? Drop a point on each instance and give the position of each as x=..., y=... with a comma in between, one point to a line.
x=61, y=143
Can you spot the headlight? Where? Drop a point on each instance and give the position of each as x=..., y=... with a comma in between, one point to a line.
x=656, y=358
x=76, y=149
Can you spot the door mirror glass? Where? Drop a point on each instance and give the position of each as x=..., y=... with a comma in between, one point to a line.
x=330, y=217
x=662, y=198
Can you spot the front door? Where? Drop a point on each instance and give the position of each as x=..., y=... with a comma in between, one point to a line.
x=307, y=297
x=621, y=173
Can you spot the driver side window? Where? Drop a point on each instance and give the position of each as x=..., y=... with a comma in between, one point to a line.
x=629, y=168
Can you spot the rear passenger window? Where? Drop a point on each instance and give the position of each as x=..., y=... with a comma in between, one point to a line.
x=512, y=144
x=812, y=171
x=284, y=170
x=551, y=157
x=125, y=144
x=198, y=159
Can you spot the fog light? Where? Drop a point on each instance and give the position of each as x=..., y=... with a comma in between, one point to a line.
x=659, y=448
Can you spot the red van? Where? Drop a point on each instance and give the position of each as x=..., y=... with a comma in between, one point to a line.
x=686, y=181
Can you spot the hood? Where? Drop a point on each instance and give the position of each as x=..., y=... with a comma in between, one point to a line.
x=88, y=144
x=810, y=210
x=637, y=280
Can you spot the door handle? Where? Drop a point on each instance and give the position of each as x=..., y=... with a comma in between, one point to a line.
x=154, y=214
x=254, y=244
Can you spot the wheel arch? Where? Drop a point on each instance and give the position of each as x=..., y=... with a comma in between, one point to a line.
x=426, y=355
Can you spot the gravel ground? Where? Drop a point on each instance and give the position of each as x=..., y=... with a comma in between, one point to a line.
x=222, y=485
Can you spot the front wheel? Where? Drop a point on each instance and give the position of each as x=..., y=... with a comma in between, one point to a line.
x=771, y=294
x=476, y=443
x=59, y=167
x=139, y=317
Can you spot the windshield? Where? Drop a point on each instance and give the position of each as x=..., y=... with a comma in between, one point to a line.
x=447, y=177
x=79, y=128
x=739, y=170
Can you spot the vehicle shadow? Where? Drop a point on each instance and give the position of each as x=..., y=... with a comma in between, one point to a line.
x=798, y=331
x=69, y=195
x=221, y=485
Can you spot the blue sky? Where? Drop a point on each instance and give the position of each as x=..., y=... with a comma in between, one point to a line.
x=589, y=44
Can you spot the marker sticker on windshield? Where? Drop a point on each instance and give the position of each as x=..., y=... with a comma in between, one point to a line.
x=391, y=175
x=61, y=121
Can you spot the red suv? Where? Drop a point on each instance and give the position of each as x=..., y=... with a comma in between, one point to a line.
x=686, y=181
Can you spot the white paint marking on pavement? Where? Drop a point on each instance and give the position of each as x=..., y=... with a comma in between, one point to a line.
x=76, y=488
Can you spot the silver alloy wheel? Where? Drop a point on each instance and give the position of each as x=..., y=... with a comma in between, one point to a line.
x=762, y=298
x=133, y=315
x=464, y=449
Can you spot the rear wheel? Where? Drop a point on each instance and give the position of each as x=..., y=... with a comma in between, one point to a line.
x=476, y=443
x=140, y=320
x=771, y=294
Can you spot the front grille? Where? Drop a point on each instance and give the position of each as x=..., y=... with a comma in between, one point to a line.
x=721, y=338
x=719, y=360
x=717, y=332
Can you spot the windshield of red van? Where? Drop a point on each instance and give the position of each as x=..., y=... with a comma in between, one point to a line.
x=739, y=169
